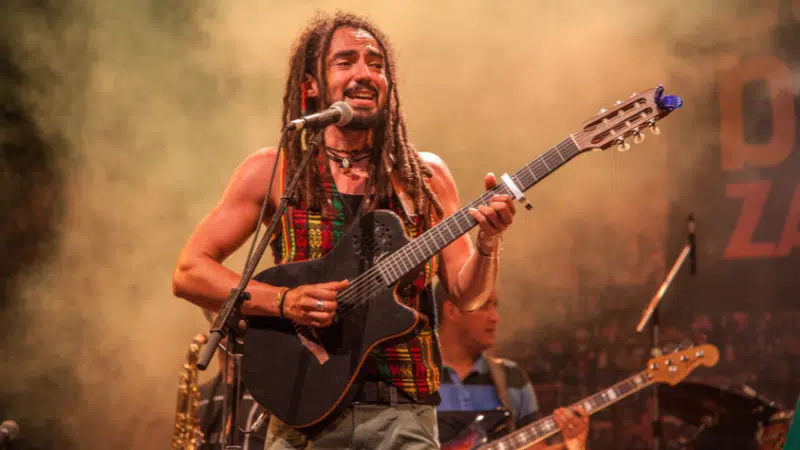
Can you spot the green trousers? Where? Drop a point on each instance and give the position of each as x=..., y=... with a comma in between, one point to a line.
x=364, y=426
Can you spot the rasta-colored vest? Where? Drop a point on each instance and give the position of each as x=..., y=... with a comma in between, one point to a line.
x=412, y=366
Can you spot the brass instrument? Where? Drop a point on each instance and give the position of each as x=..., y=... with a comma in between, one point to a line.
x=188, y=435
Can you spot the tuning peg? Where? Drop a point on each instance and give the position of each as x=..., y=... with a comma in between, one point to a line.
x=638, y=136
x=619, y=102
x=602, y=110
x=633, y=95
x=656, y=352
x=622, y=146
x=653, y=128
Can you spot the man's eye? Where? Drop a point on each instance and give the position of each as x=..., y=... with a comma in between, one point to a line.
x=343, y=63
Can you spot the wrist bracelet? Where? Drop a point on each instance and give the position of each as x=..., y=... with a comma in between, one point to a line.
x=495, y=249
x=480, y=252
x=279, y=298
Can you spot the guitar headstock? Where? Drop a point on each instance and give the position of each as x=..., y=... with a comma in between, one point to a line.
x=627, y=118
x=673, y=367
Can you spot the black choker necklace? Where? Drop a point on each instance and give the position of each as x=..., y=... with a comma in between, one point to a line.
x=346, y=159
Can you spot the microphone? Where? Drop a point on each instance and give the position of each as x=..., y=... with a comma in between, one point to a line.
x=8, y=431
x=340, y=113
x=692, y=247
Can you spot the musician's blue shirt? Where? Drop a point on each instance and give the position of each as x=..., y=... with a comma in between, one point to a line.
x=476, y=392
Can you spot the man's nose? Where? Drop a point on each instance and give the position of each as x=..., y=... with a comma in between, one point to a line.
x=362, y=71
x=494, y=316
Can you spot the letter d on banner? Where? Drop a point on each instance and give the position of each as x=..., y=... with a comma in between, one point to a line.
x=735, y=151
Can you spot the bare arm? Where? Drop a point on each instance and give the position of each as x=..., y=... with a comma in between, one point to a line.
x=469, y=274
x=200, y=277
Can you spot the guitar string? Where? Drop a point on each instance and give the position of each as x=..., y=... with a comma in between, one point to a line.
x=543, y=427
x=369, y=282
x=407, y=253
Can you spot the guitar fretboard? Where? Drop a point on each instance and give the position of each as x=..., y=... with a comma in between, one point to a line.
x=546, y=427
x=401, y=262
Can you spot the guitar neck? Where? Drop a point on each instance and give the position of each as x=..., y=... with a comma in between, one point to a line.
x=448, y=230
x=546, y=427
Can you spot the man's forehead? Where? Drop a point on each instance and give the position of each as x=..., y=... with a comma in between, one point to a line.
x=352, y=38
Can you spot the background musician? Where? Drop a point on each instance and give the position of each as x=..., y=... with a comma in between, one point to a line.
x=469, y=384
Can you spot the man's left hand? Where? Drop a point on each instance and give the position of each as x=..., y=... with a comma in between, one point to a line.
x=574, y=426
x=493, y=219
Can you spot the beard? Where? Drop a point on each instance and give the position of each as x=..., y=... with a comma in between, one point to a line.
x=363, y=120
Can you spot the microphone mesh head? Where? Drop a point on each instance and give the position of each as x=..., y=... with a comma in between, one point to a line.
x=347, y=113
x=10, y=427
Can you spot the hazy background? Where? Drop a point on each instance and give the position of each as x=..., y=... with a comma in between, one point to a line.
x=142, y=110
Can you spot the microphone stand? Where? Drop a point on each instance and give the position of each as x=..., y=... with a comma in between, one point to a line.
x=651, y=314
x=229, y=321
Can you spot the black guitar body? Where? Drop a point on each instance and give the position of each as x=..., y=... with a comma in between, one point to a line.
x=301, y=387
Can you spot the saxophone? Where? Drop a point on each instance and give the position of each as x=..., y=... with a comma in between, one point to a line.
x=188, y=435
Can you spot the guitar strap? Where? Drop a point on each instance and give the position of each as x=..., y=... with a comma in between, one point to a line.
x=498, y=375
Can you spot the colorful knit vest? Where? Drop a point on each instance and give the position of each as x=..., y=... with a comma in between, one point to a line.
x=412, y=366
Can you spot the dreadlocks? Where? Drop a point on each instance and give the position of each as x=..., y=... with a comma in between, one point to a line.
x=391, y=149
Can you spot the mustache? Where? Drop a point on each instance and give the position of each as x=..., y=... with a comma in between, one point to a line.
x=351, y=91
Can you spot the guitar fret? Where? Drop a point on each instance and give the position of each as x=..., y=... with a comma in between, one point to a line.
x=441, y=234
x=425, y=241
x=457, y=223
x=384, y=271
x=408, y=255
x=403, y=259
x=559, y=153
x=453, y=229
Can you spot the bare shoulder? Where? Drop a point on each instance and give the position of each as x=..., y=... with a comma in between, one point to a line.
x=435, y=163
x=442, y=181
x=252, y=176
x=259, y=161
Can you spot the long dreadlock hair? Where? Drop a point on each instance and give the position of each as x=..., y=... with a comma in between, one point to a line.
x=391, y=149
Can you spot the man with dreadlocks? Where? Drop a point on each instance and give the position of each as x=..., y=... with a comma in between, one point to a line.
x=365, y=165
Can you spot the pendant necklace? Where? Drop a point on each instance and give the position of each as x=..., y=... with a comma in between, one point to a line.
x=346, y=159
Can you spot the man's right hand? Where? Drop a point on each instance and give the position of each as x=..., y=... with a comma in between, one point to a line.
x=313, y=304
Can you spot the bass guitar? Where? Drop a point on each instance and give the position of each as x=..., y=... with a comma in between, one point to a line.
x=303, y=375
x=671, y=369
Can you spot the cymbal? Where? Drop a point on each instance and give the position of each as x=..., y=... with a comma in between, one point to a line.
x=706, y=405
